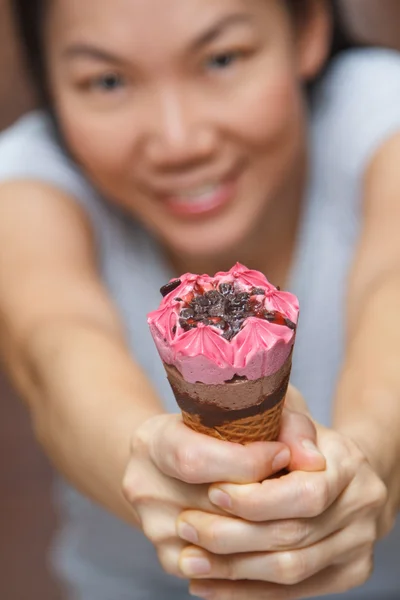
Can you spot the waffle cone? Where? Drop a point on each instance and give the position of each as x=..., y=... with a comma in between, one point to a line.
x=240, y=411
x=263, y=427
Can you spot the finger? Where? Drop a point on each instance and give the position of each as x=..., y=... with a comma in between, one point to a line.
x=336, y=579
x=195, y=458
x=168, y=555
x=151, y=493
x=225, y=535
x=293, y=496
x=298, y=432
x=221, y=534
x=284, y=568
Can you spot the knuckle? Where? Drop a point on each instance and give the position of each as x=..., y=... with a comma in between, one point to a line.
x=313, y=497
x=362, y=569
x=379, y=494
x=157, y=531
x=369, y=535
x=226, y=568
x=138, y=490
x=187, y=464
x=292, y=533
x=291, y=568
x=149, y=530
x=168, y=560
x=251, y=466
x=322, y=498
x=131, y=488
x=140, y=442
x=251, y=506
x=213, y=536
x=231, y=570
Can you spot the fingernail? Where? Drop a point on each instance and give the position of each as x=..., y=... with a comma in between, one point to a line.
x=220, y=498
x=187, y=532
x=195, y=564
x=200, y=591
x=311, y=447
x=281, y=460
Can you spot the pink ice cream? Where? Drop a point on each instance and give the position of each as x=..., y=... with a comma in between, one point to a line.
x=215, y=349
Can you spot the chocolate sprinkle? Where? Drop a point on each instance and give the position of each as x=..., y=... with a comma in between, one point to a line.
x=170, y=287
x=258, y=292
x=227, y=309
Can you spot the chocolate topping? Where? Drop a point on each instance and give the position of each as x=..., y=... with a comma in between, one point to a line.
x=170, y=287
x=227, y=309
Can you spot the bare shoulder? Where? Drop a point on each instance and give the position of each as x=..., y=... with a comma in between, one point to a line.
x=379, y=248
x=34, y=216
x=48, y=266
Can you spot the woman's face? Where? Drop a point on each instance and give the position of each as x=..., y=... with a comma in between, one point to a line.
x=189, y=113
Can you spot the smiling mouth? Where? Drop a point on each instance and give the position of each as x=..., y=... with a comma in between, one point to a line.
x=203, y=200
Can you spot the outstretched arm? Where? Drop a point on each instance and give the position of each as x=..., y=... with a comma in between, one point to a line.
x=93, y=410
x=368, y=398
x=63, y=344
x=314, y=533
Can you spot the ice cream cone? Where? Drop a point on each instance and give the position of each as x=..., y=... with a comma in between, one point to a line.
x=209, y=408
x=226, y=343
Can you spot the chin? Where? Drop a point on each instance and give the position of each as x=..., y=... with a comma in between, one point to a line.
x=223, y=236
x=208, y=246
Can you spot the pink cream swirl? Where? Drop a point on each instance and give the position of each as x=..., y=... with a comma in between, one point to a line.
x=202, y=354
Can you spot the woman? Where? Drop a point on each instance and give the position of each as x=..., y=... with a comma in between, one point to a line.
x=188, y=146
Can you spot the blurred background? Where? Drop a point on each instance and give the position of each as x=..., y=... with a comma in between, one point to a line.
x=27, y=518
x=26, y=515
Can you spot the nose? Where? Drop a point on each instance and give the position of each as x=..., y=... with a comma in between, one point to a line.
x=179, y=132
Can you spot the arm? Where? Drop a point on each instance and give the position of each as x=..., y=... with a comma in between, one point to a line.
x=63, y=343
x=315, y=533
x=368, y=399
x=373, y=22
x=92, y=408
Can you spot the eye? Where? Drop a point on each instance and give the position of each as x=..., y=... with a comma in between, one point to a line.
x=222, y=61
x=108, y=82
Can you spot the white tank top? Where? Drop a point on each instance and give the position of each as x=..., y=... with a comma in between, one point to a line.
x=353, y=111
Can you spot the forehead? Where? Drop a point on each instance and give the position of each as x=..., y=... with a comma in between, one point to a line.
x=134, y=20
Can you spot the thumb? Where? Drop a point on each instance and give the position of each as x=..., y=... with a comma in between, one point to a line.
x=299, y=433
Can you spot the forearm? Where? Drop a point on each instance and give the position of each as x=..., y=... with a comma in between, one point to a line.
x=367, y=405
x=86, y=398
x=374, y=22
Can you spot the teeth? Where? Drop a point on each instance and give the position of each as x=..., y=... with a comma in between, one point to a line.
x=200, y=194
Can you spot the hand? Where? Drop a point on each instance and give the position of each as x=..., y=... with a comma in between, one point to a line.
x=171, y=468
x=313, y=533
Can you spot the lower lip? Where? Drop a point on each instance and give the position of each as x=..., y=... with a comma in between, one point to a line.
x=210, y=204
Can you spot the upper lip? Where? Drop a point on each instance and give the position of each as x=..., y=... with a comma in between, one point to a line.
x=185, y=185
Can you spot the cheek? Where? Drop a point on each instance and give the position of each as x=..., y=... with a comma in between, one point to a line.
x=273, y=115
x=100, y=143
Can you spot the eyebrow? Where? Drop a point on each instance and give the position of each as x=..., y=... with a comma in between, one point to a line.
x=82, y=50
x=89, y=51
x=216, y=30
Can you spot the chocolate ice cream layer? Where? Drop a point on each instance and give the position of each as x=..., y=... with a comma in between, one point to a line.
x=231, y=401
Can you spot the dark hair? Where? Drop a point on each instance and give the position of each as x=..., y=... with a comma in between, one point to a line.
x=30, y=16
